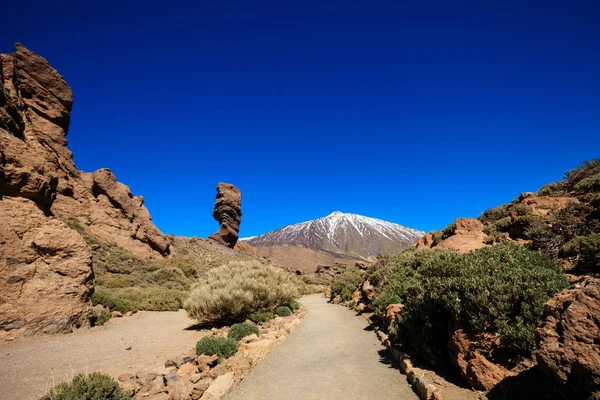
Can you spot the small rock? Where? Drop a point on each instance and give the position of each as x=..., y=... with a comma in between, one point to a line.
x=199, y=389
x=220, y=387
x=128, y=314
x=189, y=356
x=116, y=314
x=125, y=377
x=128, y=348
x=171, y=378
x=249, y=338
x=205, y=362
x=174, y=362
x=187, y=369
x=194, y=378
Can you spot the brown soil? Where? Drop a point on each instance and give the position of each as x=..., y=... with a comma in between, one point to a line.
x=33, y=365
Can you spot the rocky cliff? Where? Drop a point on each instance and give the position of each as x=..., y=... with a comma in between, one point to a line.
x=48, y=207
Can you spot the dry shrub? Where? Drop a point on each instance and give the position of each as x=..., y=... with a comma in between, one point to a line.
x=237, y=289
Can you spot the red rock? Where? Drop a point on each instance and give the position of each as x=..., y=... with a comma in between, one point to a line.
x=228, y=213
x=569, y=339
x=477, y=370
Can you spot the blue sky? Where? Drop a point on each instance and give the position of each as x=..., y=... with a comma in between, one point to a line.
x=412, y=112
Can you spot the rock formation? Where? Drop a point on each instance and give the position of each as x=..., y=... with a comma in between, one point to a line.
x=45, y=267
x=570, y=345
x=228, y=213
x=45, y=264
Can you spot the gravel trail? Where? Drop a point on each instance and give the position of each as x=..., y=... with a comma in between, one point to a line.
x=329, y=356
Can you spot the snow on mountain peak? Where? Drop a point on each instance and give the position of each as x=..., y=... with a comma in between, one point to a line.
x=338, y=232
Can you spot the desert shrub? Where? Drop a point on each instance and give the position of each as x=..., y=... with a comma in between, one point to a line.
x=261, y=316
x=291, y=304
x=283, y=311
x=595, y=201
x=239, y=331
x=212, y=345
x=586, y=249
x=437, y=237
x=394, y=275
x=137, y=299
x=551, y=189
x=346, y=283
x=584, y=178
x=239, y=288
x=495, y=237
x=494, y=214
x=449, y=231
x=94, y=386
x=99, y=319
x=497, y=290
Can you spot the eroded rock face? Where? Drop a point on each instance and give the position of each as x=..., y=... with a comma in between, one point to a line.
x=475, y=368
x=45, y=272
x=570, y=339
x=45, y=266
x=228, y=212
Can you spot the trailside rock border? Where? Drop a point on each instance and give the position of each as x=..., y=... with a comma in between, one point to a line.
x=201, y=377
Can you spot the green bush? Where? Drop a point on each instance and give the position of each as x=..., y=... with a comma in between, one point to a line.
x=261, y=316
x=101, y=318
x=345, y=284
x=449, y=231
x=292, y=305
x=283, y=311
x=239, y=331
x=239, y=288
x=212, y=345
x=499, y=290
x=94, y=386
x=137, y=299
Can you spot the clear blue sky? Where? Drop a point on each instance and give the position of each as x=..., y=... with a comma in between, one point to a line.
x=416, y=112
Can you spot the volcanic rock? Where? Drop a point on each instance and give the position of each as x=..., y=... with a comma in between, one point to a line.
x=570, y=345
x=47, y=206
x=228, y=213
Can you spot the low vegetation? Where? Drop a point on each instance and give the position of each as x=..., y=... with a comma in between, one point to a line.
x=345, y=284
x=261, y=316
x=221, y=347
x=239, y=331
x=569, y=233
x=496, y=291
x=283, y=311
x=94, y=386
x=234, y=291
x=126, y=283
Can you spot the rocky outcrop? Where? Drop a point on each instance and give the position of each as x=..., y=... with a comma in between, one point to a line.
x=45, y=272
x=228, y=213
x=474, y=367
x=570, y=345
x=467, y=235
x=45, y=264
x=45, y=267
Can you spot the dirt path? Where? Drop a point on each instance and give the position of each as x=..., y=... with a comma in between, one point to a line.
x=329, y=356
x=33, y=365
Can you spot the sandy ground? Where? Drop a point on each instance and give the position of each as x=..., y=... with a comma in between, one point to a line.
x=33, y=365
x=329, y=356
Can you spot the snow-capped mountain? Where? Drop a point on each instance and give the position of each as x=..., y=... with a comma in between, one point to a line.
x=349, y=237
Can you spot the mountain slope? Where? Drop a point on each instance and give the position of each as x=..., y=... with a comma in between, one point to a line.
x=338, y=237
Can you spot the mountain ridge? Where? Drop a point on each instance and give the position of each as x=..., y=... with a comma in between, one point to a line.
x=344, y=237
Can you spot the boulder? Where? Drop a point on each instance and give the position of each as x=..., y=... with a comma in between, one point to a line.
x=228, y=213
x=46, y=274
x=569, y=339
x=475, y=368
